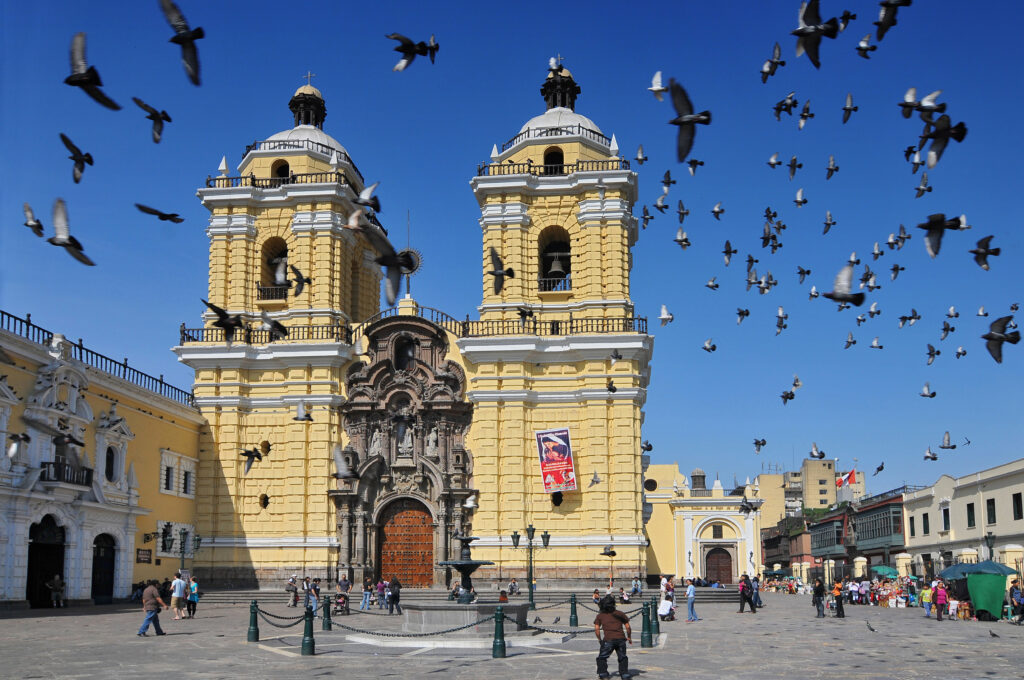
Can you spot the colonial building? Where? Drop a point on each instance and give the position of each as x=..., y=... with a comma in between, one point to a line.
x=442, y=420
x=103, y=492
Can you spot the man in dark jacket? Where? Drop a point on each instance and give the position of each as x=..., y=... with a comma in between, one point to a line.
x=746, y=594
x=396, y=595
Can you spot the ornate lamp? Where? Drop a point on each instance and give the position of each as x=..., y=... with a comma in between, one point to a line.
x=515, y=539
x=545, y=538
x=990, y=541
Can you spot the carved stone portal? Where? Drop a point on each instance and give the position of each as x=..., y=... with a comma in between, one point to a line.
x=406, y=418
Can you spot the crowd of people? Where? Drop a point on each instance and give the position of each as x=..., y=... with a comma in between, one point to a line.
x=183, y=594
x=382, y=593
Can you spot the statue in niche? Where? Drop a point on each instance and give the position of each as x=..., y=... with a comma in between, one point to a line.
x=376, y=444
x=431, y=446
x=404, y=439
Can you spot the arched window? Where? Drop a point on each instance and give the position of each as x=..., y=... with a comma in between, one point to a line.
x=279, y=168
x=554, y=161
x=110, y=468
x=555, y=260
x=273, y=270
x=405, y=354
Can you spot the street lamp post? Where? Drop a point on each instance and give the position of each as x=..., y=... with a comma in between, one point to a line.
x=990, y=541
x=182, y=545
x=545, y=538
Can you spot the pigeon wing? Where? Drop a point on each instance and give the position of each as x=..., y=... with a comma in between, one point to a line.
x=656, y=80
x=174, y=16
x=392, y=283
x=844, y=280
x=78, y=63
x=61, y=229
x=680, y=100
x=190, y=60
x=811, y=14
x=367, y=192
x=100, y=97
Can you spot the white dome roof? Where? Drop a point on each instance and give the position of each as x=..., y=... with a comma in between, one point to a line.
x=558, y=117
x=310, y=133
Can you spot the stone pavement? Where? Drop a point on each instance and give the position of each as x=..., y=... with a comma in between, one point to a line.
x=782, y=640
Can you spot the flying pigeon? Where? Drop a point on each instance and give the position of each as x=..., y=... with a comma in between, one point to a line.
x=77, y=156
x=367, y=198
x=718, y=210
x=850, y=342
x=927, y=106
x=17, y=440
x=841, y=288
x=873, y=310
x=280, y=265
x=158, y=118
x=816, y=452
x=685, y=119
x=499, y=272
x=645, y=217
x=848, y=108
x=932, y=353
x=960, y=352
x=805, y=115
x=712, y=284
x=682, y=239
x=693, y=163
x=774, y=161
x=741, y=314
x=751, y=261
x=982, y=252
x=845, y=18
x=909, y=103
x=881, y=466
x=666, y=180
x=681, y=211
x=787, y=395
x=758, y=443
x=802, y=273
x=276, y=328
x=911, y=319
x=614, y=356
x=793, y=167
x=896, y=269
x=811, y=29
x=946, y=443
x=162, y=216
x=928, y=455
x=611, y=387
x=709, y=346
x=926, y=391
x=946, y=330
x=660, y=205
x=184, y=36
x=991, y=633
x=595, y=480
x=829, y=222
x=940, y=133
x=62, y=234
x=771, y=65
x=303, y=413
x=656, y=87
x=410, y=50
x=342, y=469
x=640, y=157
x=800, y=200
x=251, y=455
x=229, y=323
x=813, y=294
x=923, y=187
x=865, y=46
x=831, y=168
x=916, y=163
x=869, y=627
x=85, y=76
x=770, y=214
x=876, y=252
x=875, y=344
x=967, y=442
x=936, y=227
x=981, y=311
x=646, y=446
x=887, y=15
x=997, y=335
x=300, y=281
x=665, y=317
x=30, y=220
x=861, y=318
x=729, y=251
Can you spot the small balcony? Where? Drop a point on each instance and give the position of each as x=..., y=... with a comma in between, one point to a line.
x=554, y=285
x=271, y=293
x=66, y=473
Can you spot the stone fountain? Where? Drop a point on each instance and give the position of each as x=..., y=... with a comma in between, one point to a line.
x=465, y=565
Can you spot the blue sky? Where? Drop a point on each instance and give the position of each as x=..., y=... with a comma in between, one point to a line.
x=422, y=133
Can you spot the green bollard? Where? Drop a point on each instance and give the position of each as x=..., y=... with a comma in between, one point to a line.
x=254, y=628
x=498, y=646
x=327, y=614
x=574, y=620
x=655, y=624
x=645, y=632
x=308, y=645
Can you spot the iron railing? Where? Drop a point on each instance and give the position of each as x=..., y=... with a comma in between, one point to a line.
x=271, y=292
x=119, y=369
x=554, y=284
x=700, y=493
x=302, y=145
x=258, y=336
x=563, y=131
x=528, y=168
x=56, y=471
x=252, y=180
x=905, y=489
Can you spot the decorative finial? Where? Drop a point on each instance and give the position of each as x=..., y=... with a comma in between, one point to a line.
x=494, y=154
x=223, y=167
x=309, y=77
x=614, y=146
x=335, y=163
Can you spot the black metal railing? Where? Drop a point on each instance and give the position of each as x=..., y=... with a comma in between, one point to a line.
x=905, y=489
x=562, y=131
x=554, y=284
x=271, y=292
x=302, y=145
x=119, y=369
x=252, y=180
x=528, y=168
x=258, y=336
x=56, y=471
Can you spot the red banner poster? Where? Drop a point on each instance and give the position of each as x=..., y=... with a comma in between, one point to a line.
x=556, y=467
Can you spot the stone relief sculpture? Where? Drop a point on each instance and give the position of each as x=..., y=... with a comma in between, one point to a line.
x=376, y=445
x=431, y=446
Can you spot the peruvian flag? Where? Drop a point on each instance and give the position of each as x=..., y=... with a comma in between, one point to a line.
x=849, y=478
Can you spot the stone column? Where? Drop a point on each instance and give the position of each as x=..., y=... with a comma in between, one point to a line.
x=903, y=563
x=776, y=566
x=805, y=569
x=860, y=566
x=690, y=549
x=345, y=542
x=360, y=538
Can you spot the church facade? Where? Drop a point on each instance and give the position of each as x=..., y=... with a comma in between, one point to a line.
x=422, y=425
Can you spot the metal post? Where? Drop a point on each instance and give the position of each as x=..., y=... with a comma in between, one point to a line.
x=655, y=625
x=529, y=575
x=327, y=613
x=308, y=644
x=254, y=628
x=498, y=646
x=181, y=539
x=645, y=631
x=574, y=620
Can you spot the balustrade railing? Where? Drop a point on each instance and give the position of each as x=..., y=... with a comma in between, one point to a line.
x=57, y=471
x=302, y=145
x=276, y=182
x=271, y=292
x=562, y=131
x=554, y=284
x=494, y=169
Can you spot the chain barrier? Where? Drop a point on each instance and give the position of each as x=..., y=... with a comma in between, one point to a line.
x=556, y=604
x=414, y=635
x=279, y=625
x=570, y=631
x=283, y=618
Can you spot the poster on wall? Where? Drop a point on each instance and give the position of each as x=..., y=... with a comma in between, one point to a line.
x=556, y=467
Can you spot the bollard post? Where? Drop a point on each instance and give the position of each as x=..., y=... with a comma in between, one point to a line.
x=498, y=646
x=645, y=631
x=254, y=628
x=308, y=644
x=327, y=614
x=574, y=619
x=655, y=624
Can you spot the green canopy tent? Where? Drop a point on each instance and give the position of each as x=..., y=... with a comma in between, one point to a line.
x=986, y=584
x=885, y=571
x=964, y=568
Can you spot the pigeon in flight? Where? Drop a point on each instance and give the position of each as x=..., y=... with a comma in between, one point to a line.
x=367, y=198
x=614, y=356
x=741, y=314
x=928, y=455
x=659, y=205
x=665, y=317
x=923, y=187
x=992, y=633
x=850, y=342
x=848, y=108
x=712, y=284
x=667, y=181
x=729, y=251
x=280, y=265
x=861, y=318
x=682, y=239
x=997, y=335
x=829, y=222
x=751, y=261
x=656, y=88
x=681, y=211
x=946, y=330
x=611, y=387
x=771, y=65
x=646, y=446
x=770, y=214
x=831, y=168
x=927, y=106
x=793, y=167
x=816, y=452
x=595, y=480
x=758, y=443
x=940, y=133
x=982, y=252
x=17, y=442
x=916, y=164
x=300, y=281
x=875, y=344
x=909, y=103
x=881, y=466
x=685, y=119
x=498, y=271
x=342, y=469
x=802, y=273
x=960, y=352
x=276, y=328
x=62, y=234
x=873, y=310
x=162, y=216
x=78, y=157
x=409, y=50
x=640, y=157
x=184, y=36
x=936, y=227
x=805, y=115
x=865, y=46
x=911, y=319
x=887, y=15
x=718, y=210
x=85, y=76
x=841, y=288
x=813, y=294
x=876, y=252
x=800, y=200
x=787, y=395
x=646, y=217
x=694, y=164
x=774, y=161
x=303, y=413
x=946, y=443
x=895, y=270
x=927, y=392
x=981, y=311
x=30, y=220
x=811, y=29
x=932, y=353
x=709, y=346
x=251, y=455
x=229, y=323
x=845, y=18
x=967, y=442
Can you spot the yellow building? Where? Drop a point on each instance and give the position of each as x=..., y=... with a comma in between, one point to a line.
x=437, y=416
x=106, y=483
x=696, y=531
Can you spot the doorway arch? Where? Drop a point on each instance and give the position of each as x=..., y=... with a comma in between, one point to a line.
x=718, y=565
x=407, y=543
x=104, y=557
x=45, y=559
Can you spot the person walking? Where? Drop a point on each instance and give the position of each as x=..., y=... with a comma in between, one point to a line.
x=755, y=584
x=746, y=594
x=926, y=599
x=818, y=598
x=151, y=604
x=179, y=589
x=56, y=586
x=314, y=595
x=941, y=598
x=837, y=593
x=292, y=588
x=617, y=633
x=381, y=592
x=396, y=596
x=193, y=597
x=367, y=593
x=306, y=586
x=691, y=598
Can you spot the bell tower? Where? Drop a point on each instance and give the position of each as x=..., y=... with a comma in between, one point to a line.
x=283, y=210
x=559, y=346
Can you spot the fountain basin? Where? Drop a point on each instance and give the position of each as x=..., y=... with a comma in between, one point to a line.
x=430, y=618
